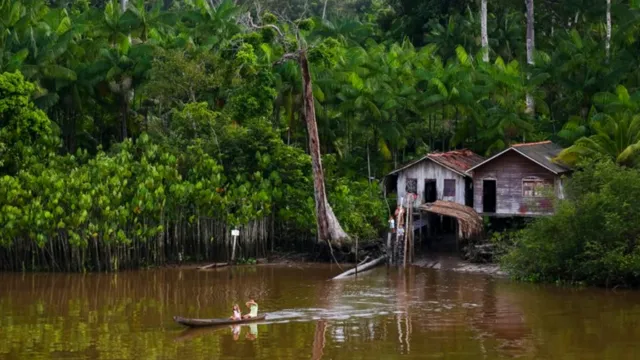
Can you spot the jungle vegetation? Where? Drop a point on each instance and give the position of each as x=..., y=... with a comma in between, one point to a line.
x=136, y=132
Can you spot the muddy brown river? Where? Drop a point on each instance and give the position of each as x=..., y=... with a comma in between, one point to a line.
x=385, y=314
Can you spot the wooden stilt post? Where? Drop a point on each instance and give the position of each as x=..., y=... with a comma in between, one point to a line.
x=421, y=227
x=356, y=256
x=400, y=233
x=391, y=231
x=413, y=245
x=410, y=238
x=409, y=231
x=388, y=249
x=457, y=237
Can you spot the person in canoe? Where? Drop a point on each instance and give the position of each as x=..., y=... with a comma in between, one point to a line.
x=236, y=313
x=253, y=309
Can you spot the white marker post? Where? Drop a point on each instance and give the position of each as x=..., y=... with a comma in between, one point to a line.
x=234, y=233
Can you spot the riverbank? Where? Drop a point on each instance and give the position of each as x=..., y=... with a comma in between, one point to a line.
x=276, y=258
x=436, y=262
x=454, y=263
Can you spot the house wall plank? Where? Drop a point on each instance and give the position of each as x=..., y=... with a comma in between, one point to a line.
x=510, y=170
x=427, y=169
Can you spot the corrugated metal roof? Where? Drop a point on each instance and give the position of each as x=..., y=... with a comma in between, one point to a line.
x=458, y=161
x=542, y=153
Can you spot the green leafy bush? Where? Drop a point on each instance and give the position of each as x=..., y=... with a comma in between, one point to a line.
x=26, y=134
x=359, y=207
x=592, y=238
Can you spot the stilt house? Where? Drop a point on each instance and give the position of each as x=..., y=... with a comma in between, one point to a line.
x=522, y=180
x=436, y=176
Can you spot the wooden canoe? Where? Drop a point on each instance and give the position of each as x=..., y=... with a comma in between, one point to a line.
x=213, y=322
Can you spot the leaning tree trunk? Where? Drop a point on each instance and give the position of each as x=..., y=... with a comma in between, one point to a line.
x=483, y=31
x=329, y=228
x=361, y=267
x=530, y=48
x=607, y=44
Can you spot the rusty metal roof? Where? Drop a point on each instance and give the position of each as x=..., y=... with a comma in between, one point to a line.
x=458, y=161
x=542, y=153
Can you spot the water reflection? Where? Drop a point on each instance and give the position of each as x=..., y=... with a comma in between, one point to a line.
x=319, y=339
x=411, y=314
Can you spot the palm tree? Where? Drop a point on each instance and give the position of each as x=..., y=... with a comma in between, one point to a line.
x=212, y=26
x=147, y=20
x=460, y=30
x=619, y=101
x=50, y=59
x=579, y=71
x=372, y=91
x=615, y=136
x=506, y=36
x=502, y=117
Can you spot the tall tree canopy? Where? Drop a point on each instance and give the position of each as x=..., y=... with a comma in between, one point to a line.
x=189, y=108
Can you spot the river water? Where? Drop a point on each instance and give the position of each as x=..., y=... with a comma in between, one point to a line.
x=384, y=314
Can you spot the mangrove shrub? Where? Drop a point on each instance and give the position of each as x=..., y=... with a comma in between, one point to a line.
x=592, y=238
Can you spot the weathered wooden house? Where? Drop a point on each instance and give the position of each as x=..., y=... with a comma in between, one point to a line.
x=522, y=180
x=436, y=176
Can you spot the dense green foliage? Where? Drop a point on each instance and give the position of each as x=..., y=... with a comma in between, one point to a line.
x=593, y=238
x=132, y=197
x=148, y=123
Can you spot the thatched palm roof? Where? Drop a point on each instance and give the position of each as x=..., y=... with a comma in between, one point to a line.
x=470, y=223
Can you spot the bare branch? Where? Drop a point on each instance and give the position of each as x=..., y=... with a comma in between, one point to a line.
x=258, y=6
x=306, y=9
x=287, y=57
x=254, y=26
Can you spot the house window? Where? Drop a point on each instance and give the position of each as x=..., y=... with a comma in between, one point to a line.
x=534, y=187
x=412, y=186
x=449, y=187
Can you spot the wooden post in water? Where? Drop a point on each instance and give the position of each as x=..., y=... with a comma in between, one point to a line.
x=399, y=238
x=457, y=236
x=421, y=226
x=388, y=249
x=409, y=231
x=413, y=240
x=391, y=230
x=234, y=234
x=356, y=256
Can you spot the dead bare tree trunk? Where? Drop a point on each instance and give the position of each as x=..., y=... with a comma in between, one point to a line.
x=361, y=268
x=483, y=31
x=324, y=9
x=530, y=48
x=329, y=229
x=608, y=40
